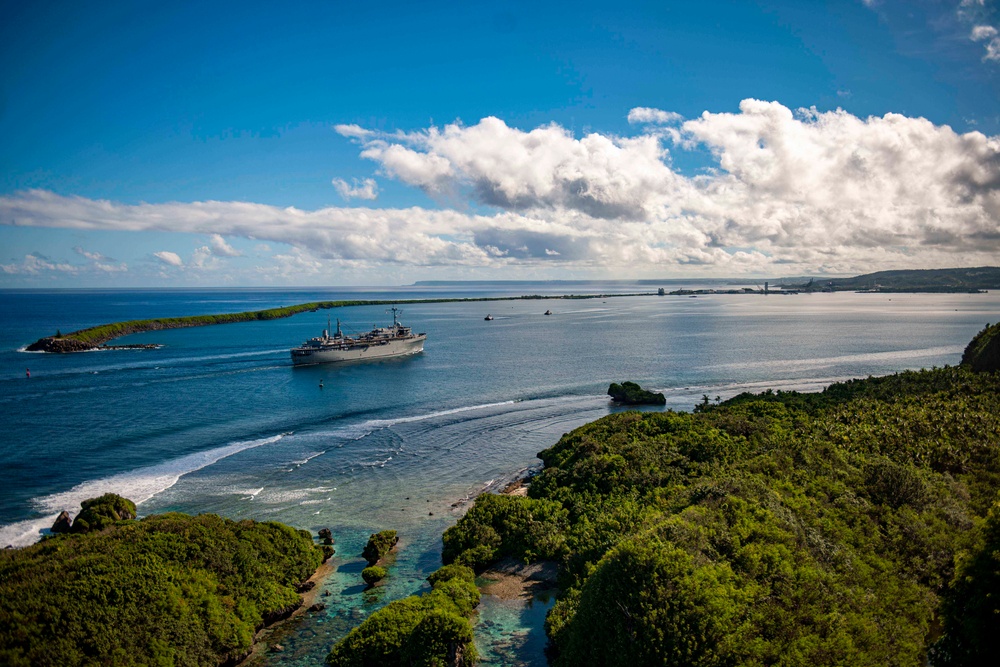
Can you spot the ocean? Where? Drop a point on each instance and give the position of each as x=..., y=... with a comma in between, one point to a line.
x=218, y=419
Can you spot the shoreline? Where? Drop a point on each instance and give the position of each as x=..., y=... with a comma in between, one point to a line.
x=261, y=641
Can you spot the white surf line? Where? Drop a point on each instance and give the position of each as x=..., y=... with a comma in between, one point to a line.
x=826, y=361
x=137, y=485
x=366, y=428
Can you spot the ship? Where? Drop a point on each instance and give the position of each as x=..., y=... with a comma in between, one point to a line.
x=380, y=342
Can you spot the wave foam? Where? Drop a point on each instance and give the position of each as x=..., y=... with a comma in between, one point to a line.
x=137, y=485
x=359, y=431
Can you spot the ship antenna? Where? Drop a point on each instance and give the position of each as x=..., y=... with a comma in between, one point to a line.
x=394, y=311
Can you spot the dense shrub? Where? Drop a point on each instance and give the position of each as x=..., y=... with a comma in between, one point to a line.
x=777, y=528
x=971, y=611
x=170, y=589
x=379, y=544
x=374, y=574
x=99, y=513
x=983, y=352
x=431, y=629
x=499, y=525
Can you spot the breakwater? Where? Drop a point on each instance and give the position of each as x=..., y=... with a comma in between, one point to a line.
x=97, y=337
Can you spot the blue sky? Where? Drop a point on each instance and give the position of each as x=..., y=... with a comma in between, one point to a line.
x=328, y=143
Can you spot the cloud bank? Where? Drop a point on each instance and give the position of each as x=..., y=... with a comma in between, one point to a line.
x=792, y=191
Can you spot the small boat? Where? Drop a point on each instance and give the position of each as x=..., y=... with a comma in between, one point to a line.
x=548, y=312
x=488, y=318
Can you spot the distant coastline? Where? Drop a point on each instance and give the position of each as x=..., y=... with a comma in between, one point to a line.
x=967, y=280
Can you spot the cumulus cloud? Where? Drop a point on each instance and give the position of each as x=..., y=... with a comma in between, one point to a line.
x=169, y=258
x=981, y=32
x=220, y=248
x=366, y=189
x=546, y=168
x=800, y=190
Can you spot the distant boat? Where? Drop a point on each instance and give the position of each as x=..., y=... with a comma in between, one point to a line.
x=488, y=318
x=548, y=312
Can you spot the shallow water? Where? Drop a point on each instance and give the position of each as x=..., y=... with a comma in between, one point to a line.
x=218, y=420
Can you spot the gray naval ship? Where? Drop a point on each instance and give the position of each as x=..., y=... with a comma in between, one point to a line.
x=380, y=342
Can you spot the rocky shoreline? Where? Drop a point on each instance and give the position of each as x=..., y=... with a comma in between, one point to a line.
x=67, y=345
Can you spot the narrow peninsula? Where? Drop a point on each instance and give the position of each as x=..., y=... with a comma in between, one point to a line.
x=95, y=338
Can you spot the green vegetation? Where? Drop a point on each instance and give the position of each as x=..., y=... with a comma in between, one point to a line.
x=915, y=280
x=91, y=337
x=629, y=393
x=982, y=354
x=778, y=528
x=425, y=630
x=972, y=605
x=379, y=544
x=170, y=589
x=99, y=513
x=374, y=574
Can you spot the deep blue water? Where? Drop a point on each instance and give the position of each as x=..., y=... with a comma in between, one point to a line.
x=218, y=419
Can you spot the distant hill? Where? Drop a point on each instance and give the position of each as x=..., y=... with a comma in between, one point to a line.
x=917, y=280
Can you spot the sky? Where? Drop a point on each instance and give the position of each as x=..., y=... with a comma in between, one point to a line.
x=149, y=144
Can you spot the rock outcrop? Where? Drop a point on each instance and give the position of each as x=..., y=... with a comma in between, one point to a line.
x=59, y=345
x=629, y=393
x=62, y=524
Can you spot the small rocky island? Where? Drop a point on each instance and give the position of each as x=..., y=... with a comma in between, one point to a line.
x=629, y=393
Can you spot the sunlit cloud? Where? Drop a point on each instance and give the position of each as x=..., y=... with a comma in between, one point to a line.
x=791, y=191
x=168, y=258
x=366, y=189
x=220, y=248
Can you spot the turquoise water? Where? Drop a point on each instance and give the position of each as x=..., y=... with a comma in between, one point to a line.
x=218, y=420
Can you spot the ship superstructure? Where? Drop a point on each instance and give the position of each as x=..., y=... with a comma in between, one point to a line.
x=392, y=341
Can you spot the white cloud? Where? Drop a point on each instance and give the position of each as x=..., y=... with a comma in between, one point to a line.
x=981, y=32
x=101, y=263
x=352, y=131
x=222, y=249
x=169, y=258
x=202, y=258
x=600, y=176
x=94, y=256
x=366, y=189
x=792, y=191
x=35, y=263
x=988, y=34
x=654, y=116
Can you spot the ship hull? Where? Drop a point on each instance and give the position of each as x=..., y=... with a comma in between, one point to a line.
x=374, y=350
